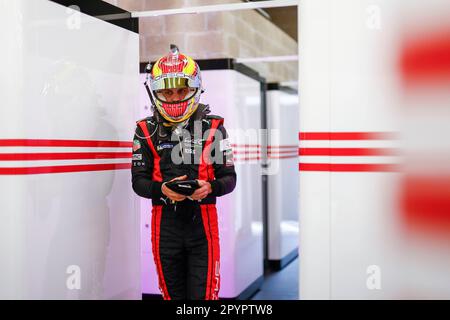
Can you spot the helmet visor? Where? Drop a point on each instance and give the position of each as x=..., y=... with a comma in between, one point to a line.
x=171, y=81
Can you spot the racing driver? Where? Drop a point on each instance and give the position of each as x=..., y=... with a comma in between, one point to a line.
x=182, y=142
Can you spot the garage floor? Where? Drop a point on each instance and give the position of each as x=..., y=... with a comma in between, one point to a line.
x=281, y=285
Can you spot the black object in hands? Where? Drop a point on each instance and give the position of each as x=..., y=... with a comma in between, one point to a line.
x=184, y=187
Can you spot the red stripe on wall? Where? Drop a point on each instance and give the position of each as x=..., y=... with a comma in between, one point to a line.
x=63, y=156
x=269, y=152
x=64, y=143
x=283, y=147
x=348, y=135
x=347, y=152
x=341, y=167
x=64, y=169
x=247, y=152
x=260, y=146
x=246, y=145
x=282, y=152
x=283, y=157
x=270, y=157
x=246, y=158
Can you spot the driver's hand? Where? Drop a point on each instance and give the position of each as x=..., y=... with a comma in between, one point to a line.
x=172, y=195
x=203, y=191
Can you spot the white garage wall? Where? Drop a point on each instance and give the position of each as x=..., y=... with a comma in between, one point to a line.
x=68, y=76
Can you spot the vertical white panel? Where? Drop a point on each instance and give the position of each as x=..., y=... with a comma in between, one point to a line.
x=357, y=238
x=282, y=122
x=363, y=99
x=70, y=82
x=11, y=97
x=314, y=102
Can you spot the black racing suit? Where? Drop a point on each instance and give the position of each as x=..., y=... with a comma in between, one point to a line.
x=185, y=234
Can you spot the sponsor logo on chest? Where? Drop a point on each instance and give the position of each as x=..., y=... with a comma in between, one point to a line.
x=165, y=145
